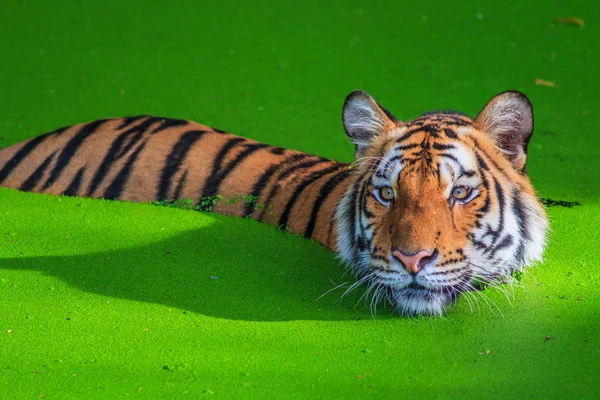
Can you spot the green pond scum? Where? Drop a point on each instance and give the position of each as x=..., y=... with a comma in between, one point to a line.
x=101, y=299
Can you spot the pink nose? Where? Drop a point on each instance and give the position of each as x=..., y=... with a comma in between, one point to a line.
x=412, y=262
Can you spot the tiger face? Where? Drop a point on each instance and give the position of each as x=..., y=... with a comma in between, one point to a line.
x=438, y=203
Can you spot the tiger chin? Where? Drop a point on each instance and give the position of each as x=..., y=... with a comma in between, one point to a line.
x=428, y=208
x=438, y=203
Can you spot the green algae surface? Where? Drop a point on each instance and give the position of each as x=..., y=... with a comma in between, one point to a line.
x=102, y=299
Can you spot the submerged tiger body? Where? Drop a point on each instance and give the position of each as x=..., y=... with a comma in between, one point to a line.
x=429, y=206
x=148, y=158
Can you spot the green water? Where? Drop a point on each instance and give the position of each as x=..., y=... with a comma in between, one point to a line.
x=101, y=299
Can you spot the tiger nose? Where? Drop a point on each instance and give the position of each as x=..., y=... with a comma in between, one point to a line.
x=413, y=262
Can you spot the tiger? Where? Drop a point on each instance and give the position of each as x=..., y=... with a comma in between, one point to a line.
x=428, y=208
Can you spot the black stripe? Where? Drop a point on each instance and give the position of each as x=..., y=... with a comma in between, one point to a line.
x=73, y=187
x=277, y=150
x=408, y=134
x=167, y=123
x=506, y=241
x=491, y=160
x=395, y=158
x=368, y=213
x=70, y=149
x=306, y=164
x=262, y=181
x=450, y=156
x=35, y=177
x=175, y=160
x=407, y=146
x=324, y=192
x=217, y=162
x=115, y=189
x=127, y=121
x=523, y=225
x=330, y=230
x=20, y=156
x=180, y=185
x=351, y=218
x=130, y=144
x=139, y=131
x=221, y=171
x=450, y=133
x=361, y=241
x=483, y=167
x=501, y=205
x=495, y=233
x=432, y=129
x=427, y=128
x=477, y=243
x=440, y=146
x=118, y=149
x=285, y=215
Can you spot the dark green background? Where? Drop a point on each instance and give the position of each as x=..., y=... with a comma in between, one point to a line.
x=102, y=299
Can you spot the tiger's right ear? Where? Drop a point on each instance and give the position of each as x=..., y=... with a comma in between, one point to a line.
x=364, y=119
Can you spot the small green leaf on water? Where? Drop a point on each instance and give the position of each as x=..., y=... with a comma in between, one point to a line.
x=573, y=21
x=543, y=82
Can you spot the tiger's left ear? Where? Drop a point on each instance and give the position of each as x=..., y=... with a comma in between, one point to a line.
x=508, y=120
x=364, y=119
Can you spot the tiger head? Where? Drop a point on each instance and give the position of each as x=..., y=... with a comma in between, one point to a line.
x=439, y=203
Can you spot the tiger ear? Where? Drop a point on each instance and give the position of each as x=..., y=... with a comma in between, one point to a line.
x=364, y=119
x=508, y=120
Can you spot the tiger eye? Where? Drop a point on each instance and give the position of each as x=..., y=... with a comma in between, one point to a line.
x=386, y=193
x=461, y=192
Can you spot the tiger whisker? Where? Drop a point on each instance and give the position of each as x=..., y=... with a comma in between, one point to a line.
x=487, y=300
x=356, y=284
x=365, y=295
x=375, y=299
x=341, y=285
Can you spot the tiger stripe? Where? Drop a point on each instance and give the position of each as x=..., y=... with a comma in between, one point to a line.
x=264, y=178
x=70, y=150
x=20, y=155
x=75, y=184
x=310, y=179
x=115, y=189
x=33, y=179
x=117, y=150
x=324, y=192
x=173, y=163
x=292, y=170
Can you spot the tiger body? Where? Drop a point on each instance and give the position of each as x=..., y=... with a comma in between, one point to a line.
x=429, y=207
x=144, y=158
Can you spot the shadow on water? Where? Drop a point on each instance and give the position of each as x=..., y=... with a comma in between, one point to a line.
x=216, y=271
